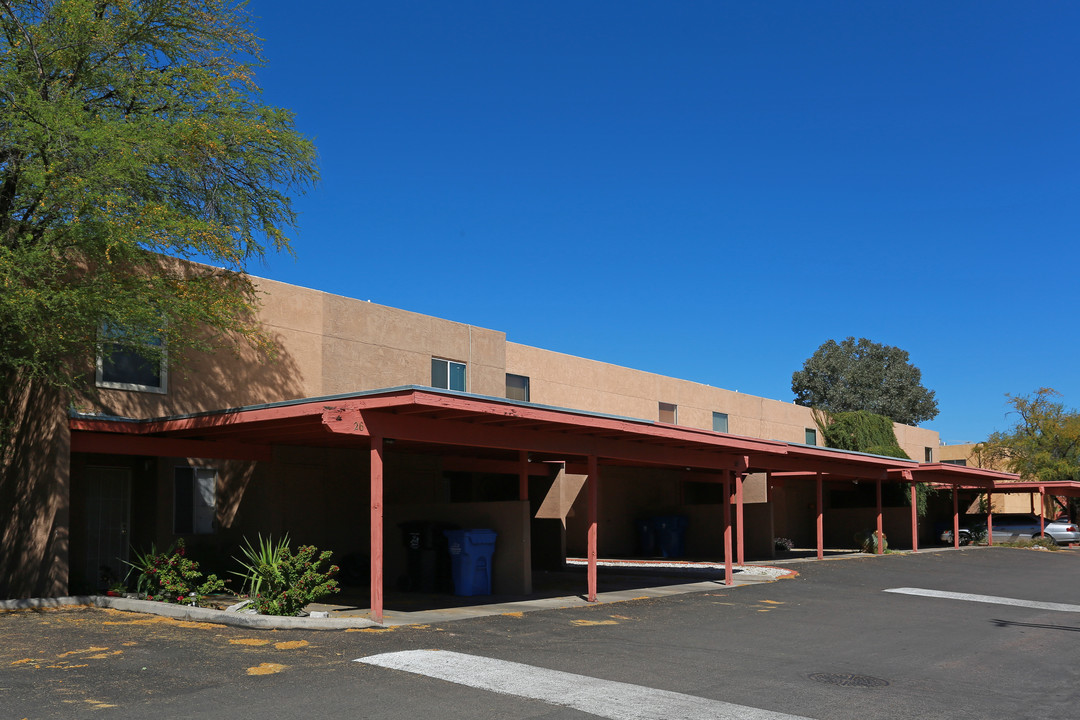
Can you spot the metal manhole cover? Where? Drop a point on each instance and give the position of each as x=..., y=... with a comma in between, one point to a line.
x=848, y=680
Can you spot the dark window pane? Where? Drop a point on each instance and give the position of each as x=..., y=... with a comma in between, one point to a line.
x=517, y=387
x=130, y=368
x=719, y=422
x=457, y=376
x=439, y=376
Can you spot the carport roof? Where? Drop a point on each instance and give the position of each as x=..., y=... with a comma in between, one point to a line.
x=426, y=417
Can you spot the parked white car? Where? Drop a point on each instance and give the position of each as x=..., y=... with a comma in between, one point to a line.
x=1014, y=526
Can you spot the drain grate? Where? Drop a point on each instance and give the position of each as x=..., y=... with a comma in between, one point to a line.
x=848, y=680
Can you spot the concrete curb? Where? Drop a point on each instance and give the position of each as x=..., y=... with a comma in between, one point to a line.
x=192, y=614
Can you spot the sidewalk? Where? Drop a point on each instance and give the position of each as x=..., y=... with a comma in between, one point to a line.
x=620, y=580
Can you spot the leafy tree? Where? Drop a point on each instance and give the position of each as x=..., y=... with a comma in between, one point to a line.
x=1044, y=444
x=862, y=431
x=859, y=431
x=132, y=136
x=863, y=375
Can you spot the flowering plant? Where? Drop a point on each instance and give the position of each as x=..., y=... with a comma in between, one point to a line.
x=170, y=576
x=282, y=582
x=783, y=543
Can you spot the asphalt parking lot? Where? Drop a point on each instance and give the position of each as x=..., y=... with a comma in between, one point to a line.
x=831, y=643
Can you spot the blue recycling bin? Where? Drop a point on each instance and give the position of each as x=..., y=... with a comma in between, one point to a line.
x=671, y=534
x=470, y=559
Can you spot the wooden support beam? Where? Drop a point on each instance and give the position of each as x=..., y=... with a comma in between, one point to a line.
x=1042, y=511
x=121, y=444
x=956, y=516
x=523, y=475
x=880, y=532
x=914, y=521
x=455, y=432
x=377, y=529
x=460, y=463
x=728, y=572
x=820, y=519
x=592, y=497
x=739, y=535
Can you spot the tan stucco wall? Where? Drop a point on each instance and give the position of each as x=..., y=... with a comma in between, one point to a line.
x=327, y=345
x=35, y=496
x=568, y=381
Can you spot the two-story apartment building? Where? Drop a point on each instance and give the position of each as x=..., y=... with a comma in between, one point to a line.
x=504, y=441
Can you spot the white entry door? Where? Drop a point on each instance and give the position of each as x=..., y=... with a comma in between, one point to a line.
x=108, y=511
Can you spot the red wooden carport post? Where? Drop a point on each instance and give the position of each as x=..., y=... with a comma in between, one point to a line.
x=593, y=480
x=989, y=518
x=820, y=520
x=1042, y=510
x=955, y=517
x=376, y=528
x=914, y=521
x=880, y=548
x=739, y=477
x=727, y=529
x=523, y=475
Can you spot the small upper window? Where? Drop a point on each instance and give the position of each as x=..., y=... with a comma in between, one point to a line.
x=517, y=387
x=955, y=462
x=193, y=500
x=123, y=367
x=929, y=454
x=719, y=422
x=447, y=374
x=669, y=413
x=811, y=436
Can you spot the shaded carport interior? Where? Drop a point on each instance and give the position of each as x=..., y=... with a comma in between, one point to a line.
x=1012, y=484
x=511, y=437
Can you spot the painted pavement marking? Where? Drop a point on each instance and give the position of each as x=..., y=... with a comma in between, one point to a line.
x=604, y=698
x=990, y=599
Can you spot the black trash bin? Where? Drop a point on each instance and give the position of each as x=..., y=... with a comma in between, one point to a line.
x=646, y=537
x=427, y=564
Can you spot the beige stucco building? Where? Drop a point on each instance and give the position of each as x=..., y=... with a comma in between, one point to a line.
x=79, y=512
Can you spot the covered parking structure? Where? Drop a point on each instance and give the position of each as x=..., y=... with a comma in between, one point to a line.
x=1012, y=485
x=504, y=437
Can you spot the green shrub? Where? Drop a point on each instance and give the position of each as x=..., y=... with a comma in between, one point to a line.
x=1047, y=543
x=866, y=540
x=783, y=544
x=281, y=582
x=171, y=577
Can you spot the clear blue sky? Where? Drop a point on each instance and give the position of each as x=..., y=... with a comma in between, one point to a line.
x=707, y=190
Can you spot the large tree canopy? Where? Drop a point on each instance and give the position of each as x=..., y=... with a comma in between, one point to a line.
x=132, y=134
x=863, y=375
x=1043, y=444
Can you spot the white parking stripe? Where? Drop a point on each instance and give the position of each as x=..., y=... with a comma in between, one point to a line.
x=1036, y=604
x=604, y=698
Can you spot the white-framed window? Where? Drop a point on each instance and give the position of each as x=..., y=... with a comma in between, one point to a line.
x=517, y=387
x=447, y=374
x=194, y=503
x=122, y=367
x=811, y=436
x=669, y=413
x=719, y=422
x=928, y=453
